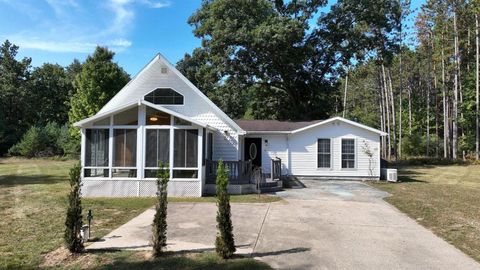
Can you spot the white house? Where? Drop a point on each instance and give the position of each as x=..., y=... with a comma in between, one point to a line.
x=160, y=116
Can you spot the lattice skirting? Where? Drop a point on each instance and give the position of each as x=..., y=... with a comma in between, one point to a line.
x=232, y=189
x=138, y=188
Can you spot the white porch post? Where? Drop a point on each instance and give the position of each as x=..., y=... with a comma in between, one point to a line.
x=110, y=148
x=140, y=142
x=200, y=160
x=83, y=141
x=170, y=152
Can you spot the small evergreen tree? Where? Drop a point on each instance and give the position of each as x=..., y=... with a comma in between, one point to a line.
x=159, y=229
x=32, y=144
x=73, y=220
x=224, y=243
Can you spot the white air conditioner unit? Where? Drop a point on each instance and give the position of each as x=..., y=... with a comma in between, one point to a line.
x=389, y=174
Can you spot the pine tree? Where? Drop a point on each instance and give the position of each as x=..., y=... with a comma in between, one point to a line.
x=224, y=243
x=73, y=220
x=159, y=230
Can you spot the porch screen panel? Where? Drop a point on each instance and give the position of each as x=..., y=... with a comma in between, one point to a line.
x=157, y=147
x=323, y=160
x=185, y=148
x=125, y=148
x=96, y=152
x=179, y=148
x=348, y=153
x=192, y=148
x=210, y=146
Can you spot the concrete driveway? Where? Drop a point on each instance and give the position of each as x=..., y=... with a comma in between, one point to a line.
x=327, y=225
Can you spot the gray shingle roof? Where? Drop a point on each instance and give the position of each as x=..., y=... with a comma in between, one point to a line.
x=273, y=125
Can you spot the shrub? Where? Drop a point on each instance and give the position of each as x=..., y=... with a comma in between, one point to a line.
x=159, y=229
x=31, y=144
x=69, y=145
x=423, y=161
x=46, y=141
x=73, y=221
x=51, y=132
x=224, y=243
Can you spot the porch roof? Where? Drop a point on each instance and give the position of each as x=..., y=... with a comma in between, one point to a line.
x=87, y=121
x=273, y=125
x=291, y=127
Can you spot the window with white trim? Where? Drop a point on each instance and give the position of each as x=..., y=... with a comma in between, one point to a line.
x=348, y=153
x=164, y=96
x=323, y=153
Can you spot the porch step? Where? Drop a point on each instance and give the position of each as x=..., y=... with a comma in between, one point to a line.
x=270, y=187
x=268, y=184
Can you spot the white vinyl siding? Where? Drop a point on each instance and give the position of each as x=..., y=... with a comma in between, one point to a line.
x=303, y=151
x=151, y=78
x=275, y=147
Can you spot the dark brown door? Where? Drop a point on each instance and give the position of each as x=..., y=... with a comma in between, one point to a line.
x=253, y=150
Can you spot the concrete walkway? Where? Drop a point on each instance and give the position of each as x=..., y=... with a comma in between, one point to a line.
x=328, y=225
x=191, y=227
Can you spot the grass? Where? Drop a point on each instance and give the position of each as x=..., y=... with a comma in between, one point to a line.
x=118, y=260
x=444, y=199
x=33, y=199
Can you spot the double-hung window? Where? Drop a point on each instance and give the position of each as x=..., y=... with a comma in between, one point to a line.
x=348, y=153
x=324, y=153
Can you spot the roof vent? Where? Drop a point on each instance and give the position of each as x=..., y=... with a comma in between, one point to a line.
x=164, y=70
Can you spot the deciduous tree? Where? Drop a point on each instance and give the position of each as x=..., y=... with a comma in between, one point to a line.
x=99, y=80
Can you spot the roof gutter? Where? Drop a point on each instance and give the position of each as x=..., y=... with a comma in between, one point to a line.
x=268, y=132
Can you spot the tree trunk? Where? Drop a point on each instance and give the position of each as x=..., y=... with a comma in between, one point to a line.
x=400, y=109
x=444, y=96
x=429, y=90
x=435, y=91
x=385, y=95
x=345, y=96
x=477, y=87
x=410, y=109
x=382, y=115
x=455, y=90
x=394, y=126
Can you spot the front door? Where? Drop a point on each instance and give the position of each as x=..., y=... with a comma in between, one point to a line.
x=253, y=151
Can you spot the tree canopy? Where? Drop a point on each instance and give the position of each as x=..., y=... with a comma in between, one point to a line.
x=280, y=59
x=99, y=80
x=14, y=76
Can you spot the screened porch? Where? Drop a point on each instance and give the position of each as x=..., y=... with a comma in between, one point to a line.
x=130, y=144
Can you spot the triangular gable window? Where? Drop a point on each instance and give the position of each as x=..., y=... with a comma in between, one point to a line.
x=164, y=96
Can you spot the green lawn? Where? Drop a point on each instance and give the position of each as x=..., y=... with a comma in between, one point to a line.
x=32, y=209
x=445, y=199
